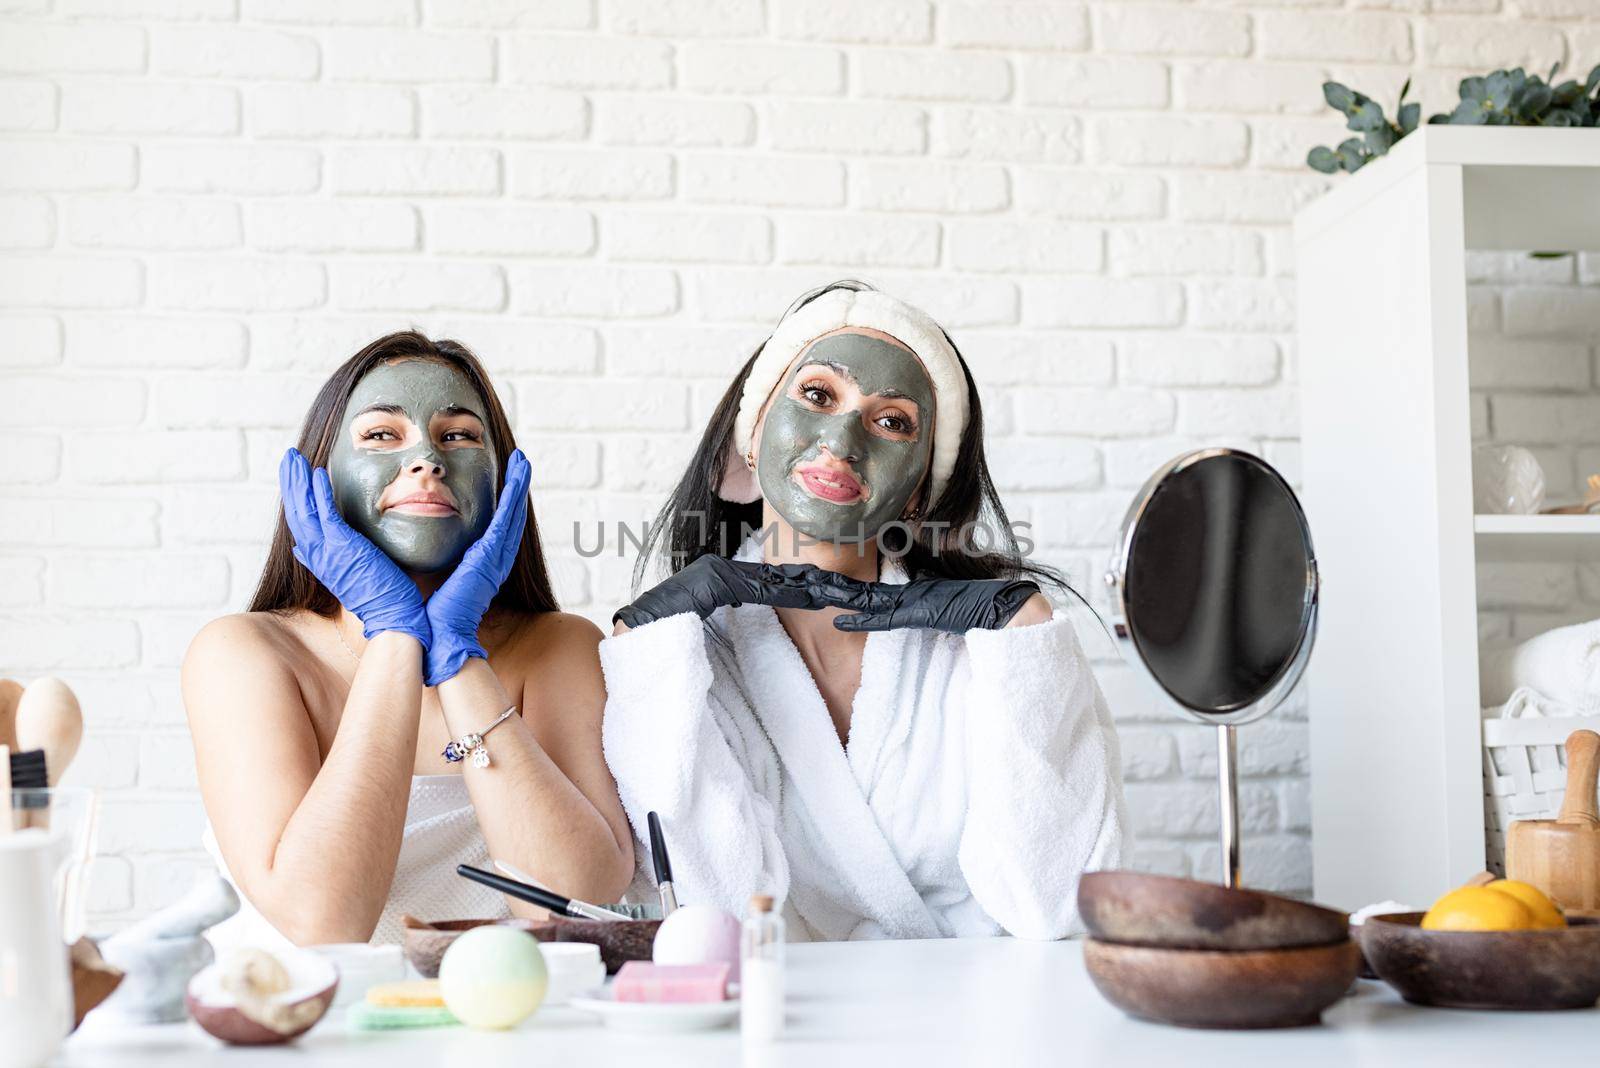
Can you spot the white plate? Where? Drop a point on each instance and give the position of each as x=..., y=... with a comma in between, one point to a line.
x=647, y=1017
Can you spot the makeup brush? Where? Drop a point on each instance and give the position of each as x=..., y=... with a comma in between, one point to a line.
x=663, y=866
x=22, y=771
x=533, y=895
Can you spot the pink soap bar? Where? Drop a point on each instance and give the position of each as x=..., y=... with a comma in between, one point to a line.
x=640, y=980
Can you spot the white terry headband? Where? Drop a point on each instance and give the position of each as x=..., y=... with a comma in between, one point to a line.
x=837, y=308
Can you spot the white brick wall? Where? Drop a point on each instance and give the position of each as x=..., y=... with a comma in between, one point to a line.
x=205, y=205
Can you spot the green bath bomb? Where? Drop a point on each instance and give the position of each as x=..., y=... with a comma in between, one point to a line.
x=493, y=977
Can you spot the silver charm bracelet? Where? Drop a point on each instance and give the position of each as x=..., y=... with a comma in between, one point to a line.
x=471, y=745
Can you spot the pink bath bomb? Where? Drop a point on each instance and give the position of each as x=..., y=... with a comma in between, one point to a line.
x=698, y=934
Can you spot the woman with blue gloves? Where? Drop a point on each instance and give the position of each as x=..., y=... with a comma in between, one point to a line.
x=402, y=695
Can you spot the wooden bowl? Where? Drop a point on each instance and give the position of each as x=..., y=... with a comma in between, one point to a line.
x=1219, y=989
x=425, y=943
x=1136, y=909
x=1547, y=969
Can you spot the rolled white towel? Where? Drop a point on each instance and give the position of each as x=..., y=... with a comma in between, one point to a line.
x=1563, y=665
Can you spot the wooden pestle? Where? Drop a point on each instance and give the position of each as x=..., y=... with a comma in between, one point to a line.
x=10, y=695
x=1562, y=856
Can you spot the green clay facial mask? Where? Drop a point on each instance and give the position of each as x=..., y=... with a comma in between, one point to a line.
x=802, y=440
x=360, y=470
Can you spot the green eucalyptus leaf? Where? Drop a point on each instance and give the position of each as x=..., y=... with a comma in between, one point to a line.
x=1592, y=81
x=1499, y=89
x=1367, y=115
x=1379, y=141
x=1468, y=113
x=1408, y=117
x=1533, y=99
x=1339, y=97
x=1551, y=77
x=1566, y=94
x=1351, y=154
x=1560, y=117
x=1473, y=89
x=1322, y=158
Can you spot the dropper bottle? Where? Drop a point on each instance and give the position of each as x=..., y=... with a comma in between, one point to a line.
x=761, y=972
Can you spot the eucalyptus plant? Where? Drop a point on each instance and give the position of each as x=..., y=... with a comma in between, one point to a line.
x=1503, y=98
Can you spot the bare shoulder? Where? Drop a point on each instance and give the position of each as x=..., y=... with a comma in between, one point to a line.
x=244, y=652
x=551, y=650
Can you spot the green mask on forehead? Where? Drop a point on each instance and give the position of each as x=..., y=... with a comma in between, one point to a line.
x=794, y=433
x=422, y=389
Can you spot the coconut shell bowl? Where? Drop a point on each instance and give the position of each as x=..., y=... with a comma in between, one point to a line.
x=1555, y=968
x=424, y=943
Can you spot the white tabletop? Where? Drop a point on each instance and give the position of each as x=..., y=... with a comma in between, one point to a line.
x=932, y=1003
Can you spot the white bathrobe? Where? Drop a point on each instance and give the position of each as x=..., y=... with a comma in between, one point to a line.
x=981, y=778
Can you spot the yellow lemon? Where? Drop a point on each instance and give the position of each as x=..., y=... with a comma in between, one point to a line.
x=1545, y=912
x=1479, y=908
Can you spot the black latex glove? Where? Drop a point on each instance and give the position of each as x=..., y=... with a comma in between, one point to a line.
x=712, y=581
x=952, y=605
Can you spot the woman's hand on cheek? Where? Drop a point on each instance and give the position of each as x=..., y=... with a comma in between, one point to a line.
x=354, y=570
x=952, y=605
x=456, y=609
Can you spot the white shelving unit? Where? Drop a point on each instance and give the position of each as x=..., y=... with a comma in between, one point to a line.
x=1397, y=793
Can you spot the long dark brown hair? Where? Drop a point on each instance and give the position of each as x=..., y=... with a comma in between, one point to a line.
x=285, y=585
x=695, y=521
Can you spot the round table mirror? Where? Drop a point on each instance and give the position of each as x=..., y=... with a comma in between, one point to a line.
x=1216, y=586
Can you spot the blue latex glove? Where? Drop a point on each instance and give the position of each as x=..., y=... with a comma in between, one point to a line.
x=456, y=609
x=354, y=570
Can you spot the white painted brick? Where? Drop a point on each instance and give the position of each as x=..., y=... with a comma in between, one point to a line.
x=407, y=170
x=245, y=169
x=1109, y=413
x=1102, y=302
x=175, y=456
x=1171, y=360
x=132, y=107
x=644, y=120
x=1189, y=810
x=71, y=49
x=1549, y=585
x=69, y=282
x=1271, y=412
x=1070, y=194
x=344, y=13
x=1548, y=9
x=1130, y=463
x=727, y=295
x=27, y=222
x=407, y=56
x=149, y=9
x=471, y=229
x=1250, y=85
x=138, y=825
x=96, y=524
x=1483, y=311
x=1028, y=359
x=1282, y=144
x=1181, y=250
x=1479, y=416
x=509, y=345
x=1160, y=859
x=587, y=62
x=50, y=643
x=510, y=14
x=312, y=343
x=29, y=341
x=1169, y=140
x=31, y=106
x=238, y=401
x=210, y=515
x=332, y=226
x=233, y=52
x=927, y=186
x=561, y=462
x=763, y=180
x=105, y=762
x=1093, y=82
x=1501, y=363
x=755, y=68
x=1242, y=304
x=851, y=240
x=1517, y=268
x=119, y=341
x=1020, y=464
x=1319, y=36
x=593, y=292
x=1053, y=25
x=417, y=285
x=1165, y=29
x=660, y=349
x=687, y=237
x=1543, y=419
x=588, y=174
x=561, y=404
x=1492, y=45
x=127, y=222
x=686, y=18
x=35, y=459
x=21, y=581
x=63, y=166
x=228, y=284
x=847, y=128
x=166, y=762
x=1552, y=311
x=496, y=113
x=642, y=462
x=1006, y=134
x=956, y=301
x=911, y=75
x=880, y=22
x=345, y=111
x=1250, y=198
x=1035, y=246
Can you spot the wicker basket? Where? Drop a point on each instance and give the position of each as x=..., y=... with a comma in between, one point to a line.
x=1524, y=774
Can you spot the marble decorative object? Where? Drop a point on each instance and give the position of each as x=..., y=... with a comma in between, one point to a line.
x=1506, y=480
x=162, y=952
